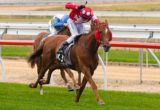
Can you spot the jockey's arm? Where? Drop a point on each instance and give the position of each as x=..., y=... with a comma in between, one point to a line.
x=58, y=23
x=72, y=6
x=95, y=19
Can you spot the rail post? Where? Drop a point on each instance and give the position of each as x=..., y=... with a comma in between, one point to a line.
x=1, y=60
x=149, y=37
x=141, y=65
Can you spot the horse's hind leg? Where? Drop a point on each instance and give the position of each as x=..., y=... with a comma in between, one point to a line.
x=47, y=81
x=40, y=75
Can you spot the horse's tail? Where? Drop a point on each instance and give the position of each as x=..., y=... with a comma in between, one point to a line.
x=32, y=59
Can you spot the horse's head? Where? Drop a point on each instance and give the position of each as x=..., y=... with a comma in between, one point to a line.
x=102, y=34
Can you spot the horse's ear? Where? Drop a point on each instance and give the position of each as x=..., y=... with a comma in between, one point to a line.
x=106, y=21
x=93, y=25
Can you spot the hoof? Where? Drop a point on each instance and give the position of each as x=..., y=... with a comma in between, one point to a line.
x=41, y=91
x=77, y=87
x=42, y=81
x=70, y=88
x=32, y=85
x=101, y=102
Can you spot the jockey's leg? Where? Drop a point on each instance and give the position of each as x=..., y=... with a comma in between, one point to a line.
x=81, y=29
x=74, y=32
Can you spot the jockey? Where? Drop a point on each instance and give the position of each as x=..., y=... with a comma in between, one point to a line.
x=79, y=15
x=56, y=23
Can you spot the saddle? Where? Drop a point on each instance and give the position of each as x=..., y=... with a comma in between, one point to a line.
x=67, y=58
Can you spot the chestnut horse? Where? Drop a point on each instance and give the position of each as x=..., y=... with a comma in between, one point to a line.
x=83, y=54
x=38, y=41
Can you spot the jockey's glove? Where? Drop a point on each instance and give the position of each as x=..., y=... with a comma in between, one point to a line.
x=81, y=7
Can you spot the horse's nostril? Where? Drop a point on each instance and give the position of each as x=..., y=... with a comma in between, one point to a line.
x=106, y=48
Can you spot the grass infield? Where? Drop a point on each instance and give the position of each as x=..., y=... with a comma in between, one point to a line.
x=114, y=55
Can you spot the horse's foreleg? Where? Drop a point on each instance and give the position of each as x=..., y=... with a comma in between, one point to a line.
x=79, y=91
x=63, y=76
x=65, y=79
x=79, y=78
x=73, y=79
x=88, y=75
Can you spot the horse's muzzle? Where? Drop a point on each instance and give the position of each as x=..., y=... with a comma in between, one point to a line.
x=106, y=48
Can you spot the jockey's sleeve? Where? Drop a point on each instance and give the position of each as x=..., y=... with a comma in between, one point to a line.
x=57, y=23
x=71, y=6
x=95, y=19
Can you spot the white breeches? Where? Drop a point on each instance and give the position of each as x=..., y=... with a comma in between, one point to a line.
x=75, y=29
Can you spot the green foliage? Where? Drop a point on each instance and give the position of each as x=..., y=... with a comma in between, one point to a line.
x=21, y=97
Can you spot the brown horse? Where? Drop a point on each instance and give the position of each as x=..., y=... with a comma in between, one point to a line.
x=37, y=42
x=83, y=54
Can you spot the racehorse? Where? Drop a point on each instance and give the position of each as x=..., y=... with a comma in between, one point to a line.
x=41, y=37
x=83, y=54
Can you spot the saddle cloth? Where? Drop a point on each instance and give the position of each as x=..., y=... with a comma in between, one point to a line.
x=67, y=55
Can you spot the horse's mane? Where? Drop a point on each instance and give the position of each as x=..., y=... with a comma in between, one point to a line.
x=62, y=29
x=83, y=36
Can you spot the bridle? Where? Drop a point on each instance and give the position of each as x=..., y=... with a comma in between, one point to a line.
x=98, y=35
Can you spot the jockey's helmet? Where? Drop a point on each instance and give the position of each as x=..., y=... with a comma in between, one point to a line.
x=86, y=13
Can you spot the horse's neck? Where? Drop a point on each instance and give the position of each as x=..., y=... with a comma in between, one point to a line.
x=91, y=43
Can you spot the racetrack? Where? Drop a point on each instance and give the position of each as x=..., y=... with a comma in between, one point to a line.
x=124, y=78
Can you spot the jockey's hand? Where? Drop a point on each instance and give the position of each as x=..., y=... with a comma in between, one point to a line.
x=81, y=7
x=52, y=22
x=65, y=24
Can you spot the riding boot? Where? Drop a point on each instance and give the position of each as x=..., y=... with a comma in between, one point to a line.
x=60, y=53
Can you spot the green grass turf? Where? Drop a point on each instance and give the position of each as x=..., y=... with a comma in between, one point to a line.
x=18, y=51
x=21, y=97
